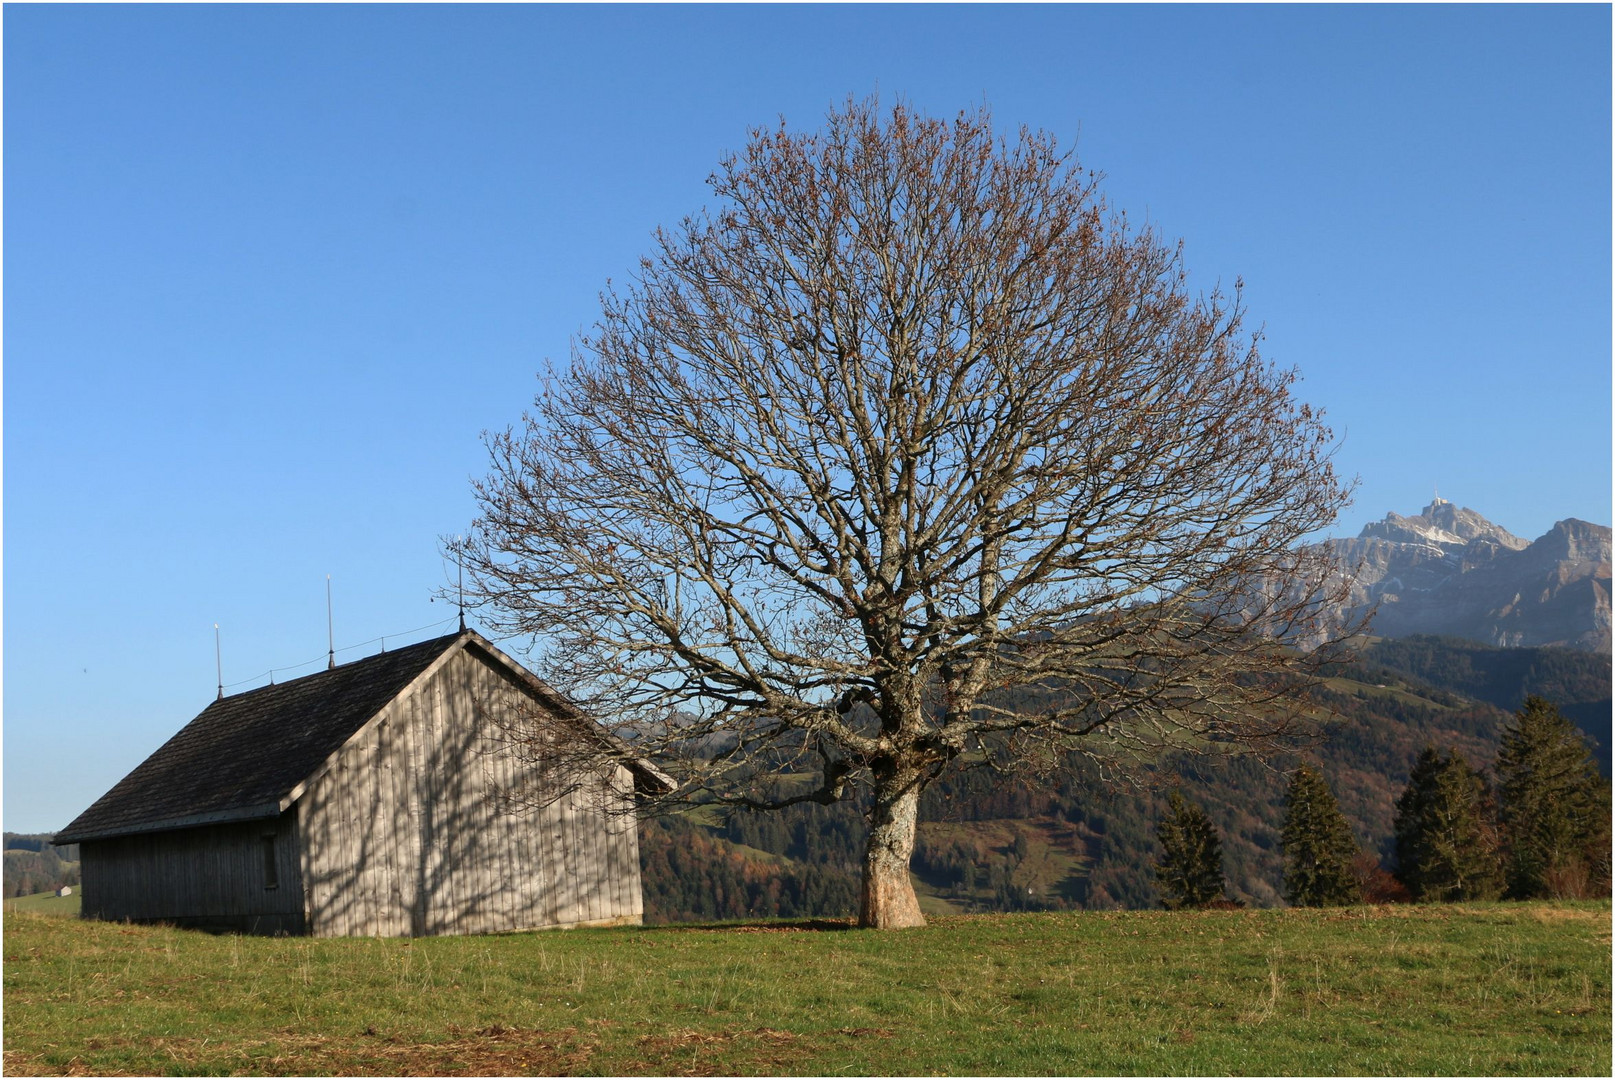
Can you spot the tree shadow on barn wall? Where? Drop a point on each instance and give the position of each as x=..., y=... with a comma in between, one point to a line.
x=408, y=835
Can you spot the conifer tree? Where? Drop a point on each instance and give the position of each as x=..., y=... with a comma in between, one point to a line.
x=1554, y=807
x=1189, y=871
x=1446, y=848
x=1318, y=845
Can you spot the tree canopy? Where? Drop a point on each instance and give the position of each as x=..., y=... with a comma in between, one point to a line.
x=1554, y=806
x=1446, y=848
x=1318, y=845
x=1189, y=871
x=911, y=454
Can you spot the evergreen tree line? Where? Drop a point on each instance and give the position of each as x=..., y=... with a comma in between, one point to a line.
x=1540, y=829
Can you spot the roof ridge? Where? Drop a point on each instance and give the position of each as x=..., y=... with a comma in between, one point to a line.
x=345, y=665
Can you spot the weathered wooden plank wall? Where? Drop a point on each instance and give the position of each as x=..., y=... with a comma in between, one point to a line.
x=405, y=836
x=213, y=876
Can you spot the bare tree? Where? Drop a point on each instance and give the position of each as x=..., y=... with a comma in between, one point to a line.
x=911, y=421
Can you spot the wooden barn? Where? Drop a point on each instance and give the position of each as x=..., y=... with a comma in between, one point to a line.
x=371, y=799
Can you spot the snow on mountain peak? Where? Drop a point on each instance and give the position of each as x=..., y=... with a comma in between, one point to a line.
x=1443, y=524
x=1447, y=570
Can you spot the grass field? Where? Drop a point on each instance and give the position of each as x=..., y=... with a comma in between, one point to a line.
x=1485, y=989
x=45, y=904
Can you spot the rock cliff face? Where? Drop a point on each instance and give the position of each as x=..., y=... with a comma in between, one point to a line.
x=1450, y=571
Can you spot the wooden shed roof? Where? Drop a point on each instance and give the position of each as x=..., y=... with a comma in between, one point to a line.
x=248, y=755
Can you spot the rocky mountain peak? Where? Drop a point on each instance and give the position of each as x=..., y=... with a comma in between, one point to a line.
x=1445, y=525
x=1576, y=541
x=1448, y=570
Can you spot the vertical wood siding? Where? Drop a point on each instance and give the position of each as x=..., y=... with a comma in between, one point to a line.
x=404, y=836
x=213, y=877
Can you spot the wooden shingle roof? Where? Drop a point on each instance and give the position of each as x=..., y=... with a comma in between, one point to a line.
x=243, y=754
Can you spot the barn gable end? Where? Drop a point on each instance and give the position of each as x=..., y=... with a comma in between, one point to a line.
x=365, y=800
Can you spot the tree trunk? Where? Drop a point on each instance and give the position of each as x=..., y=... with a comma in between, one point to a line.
x=888, y=901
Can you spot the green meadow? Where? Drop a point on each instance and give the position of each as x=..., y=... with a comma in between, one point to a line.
x=1500, y=989
x=44, y=904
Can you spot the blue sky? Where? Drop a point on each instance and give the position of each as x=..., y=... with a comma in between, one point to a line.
x=269, y=273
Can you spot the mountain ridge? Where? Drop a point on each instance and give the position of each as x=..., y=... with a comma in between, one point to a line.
x=1449, y=571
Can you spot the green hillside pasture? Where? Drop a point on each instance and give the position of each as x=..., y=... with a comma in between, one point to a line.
x=1483, y=989
x=1054, y=863
x=45, y=904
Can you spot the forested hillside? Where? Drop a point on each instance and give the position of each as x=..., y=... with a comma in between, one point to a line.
x=692, y=875
x=1086, y=842
x=1576, y=681
x=34, y=865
